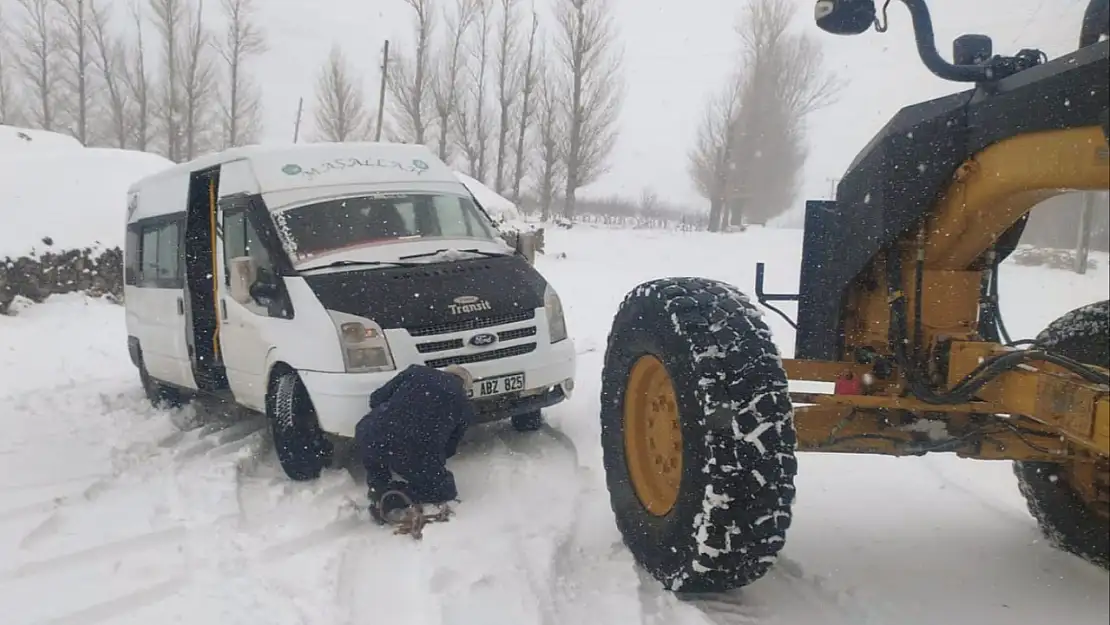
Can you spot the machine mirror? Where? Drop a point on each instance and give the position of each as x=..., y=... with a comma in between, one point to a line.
x=844, y=17
x=972, y=49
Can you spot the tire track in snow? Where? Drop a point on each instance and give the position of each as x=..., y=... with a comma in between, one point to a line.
x=947, y=481
x=216, y=554
x=796, y=597
x=594, y=578
x=120, y=606
x=110, y=549
x=225, y=439
x=253, y=561
x=217, y=442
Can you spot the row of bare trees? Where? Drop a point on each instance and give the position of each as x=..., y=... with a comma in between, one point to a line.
x=511, y=96
x=494, y=90
x=751, y=148
x=150, y=76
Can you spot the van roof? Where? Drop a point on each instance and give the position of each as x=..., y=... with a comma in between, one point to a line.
x=306, y=160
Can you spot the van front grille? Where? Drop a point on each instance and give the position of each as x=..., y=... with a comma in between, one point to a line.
x=497, y=354
x=439, y=346
x=517, y=333
x=472, y=324
x=450, y=344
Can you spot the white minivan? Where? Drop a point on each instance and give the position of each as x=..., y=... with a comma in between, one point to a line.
x=295, y=280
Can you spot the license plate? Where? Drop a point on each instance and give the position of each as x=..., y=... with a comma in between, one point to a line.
x=497, y=385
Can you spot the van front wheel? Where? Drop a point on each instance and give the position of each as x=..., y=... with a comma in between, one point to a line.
x=302, y=449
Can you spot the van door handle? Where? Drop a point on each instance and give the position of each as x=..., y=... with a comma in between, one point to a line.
x=223, y=310
x=181, y=306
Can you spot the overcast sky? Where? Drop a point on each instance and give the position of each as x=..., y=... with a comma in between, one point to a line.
x=675, y=53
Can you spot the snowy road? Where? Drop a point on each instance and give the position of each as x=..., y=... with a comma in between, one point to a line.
x=109, y=515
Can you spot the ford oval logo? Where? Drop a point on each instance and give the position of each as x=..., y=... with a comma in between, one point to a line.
x=463, y=300
x=483, y=340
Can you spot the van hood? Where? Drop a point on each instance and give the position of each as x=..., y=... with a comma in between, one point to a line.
x=452, y=294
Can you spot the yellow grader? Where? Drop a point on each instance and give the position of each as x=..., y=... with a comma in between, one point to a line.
x=897, y=308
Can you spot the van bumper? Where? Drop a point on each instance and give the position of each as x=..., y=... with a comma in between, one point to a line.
x=343, y=399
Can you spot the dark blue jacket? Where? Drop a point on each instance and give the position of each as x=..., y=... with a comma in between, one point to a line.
x=421, y=412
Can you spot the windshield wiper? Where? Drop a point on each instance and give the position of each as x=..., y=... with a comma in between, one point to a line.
x=362, y=263
x=468, y=250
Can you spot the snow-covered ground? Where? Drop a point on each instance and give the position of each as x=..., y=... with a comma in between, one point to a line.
x=109, y=515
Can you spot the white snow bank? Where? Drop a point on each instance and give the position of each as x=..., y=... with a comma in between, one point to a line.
x=497, y=206
x=76, y=198
x=14, y=139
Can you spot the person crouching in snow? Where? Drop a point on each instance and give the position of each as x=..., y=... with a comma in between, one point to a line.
x=415, y=423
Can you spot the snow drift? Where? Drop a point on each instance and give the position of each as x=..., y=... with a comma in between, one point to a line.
x=74, y=198
x=16, y=140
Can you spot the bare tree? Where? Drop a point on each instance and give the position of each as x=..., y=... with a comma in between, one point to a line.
x=409, y=81
x=508, y=85
x=169, y=17
x=77, y=59
x=445, y=85
x=710, y=160
x=650, y=205
x=527, y=95
x=241, y=101
x=785, y=81
x=586, y=37
x=137, y=77
x=340, y=112
x=473, y=118
x=551, y=133
x=198, y=82
x=39, y=60
x=10, y=104
x=109, y=61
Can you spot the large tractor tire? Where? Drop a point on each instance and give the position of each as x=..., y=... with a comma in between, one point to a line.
x=1069, y=500
x=697, y=433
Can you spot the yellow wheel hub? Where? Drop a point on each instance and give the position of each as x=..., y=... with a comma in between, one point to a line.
x=652, y=435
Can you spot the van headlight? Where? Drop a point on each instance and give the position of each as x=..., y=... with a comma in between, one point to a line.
x=365, y=348
x=556, y=322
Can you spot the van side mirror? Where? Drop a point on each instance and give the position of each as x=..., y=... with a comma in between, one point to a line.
x=527, y=244
x=264, y=291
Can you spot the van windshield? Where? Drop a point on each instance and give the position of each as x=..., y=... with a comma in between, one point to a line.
x=327, y=227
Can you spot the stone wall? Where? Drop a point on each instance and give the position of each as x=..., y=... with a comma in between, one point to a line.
x=97, y=272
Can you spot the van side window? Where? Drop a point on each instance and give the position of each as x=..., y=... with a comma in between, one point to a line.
x=457, y=217
x=241, y=239
x=149, y=267
x=168, y=252
x=159, y=255
x=131, y=265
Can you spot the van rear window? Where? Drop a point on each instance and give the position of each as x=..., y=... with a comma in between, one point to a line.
x=334, y=225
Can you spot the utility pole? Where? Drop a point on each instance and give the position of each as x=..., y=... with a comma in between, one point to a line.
x=381, y=91
x=297, y=124
x=1083, y=245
